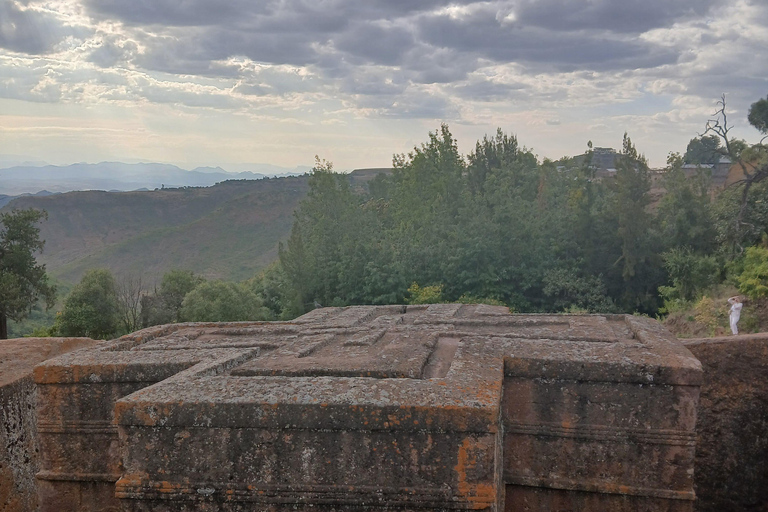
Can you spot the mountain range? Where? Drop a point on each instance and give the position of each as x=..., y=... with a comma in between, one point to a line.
x=117, y=176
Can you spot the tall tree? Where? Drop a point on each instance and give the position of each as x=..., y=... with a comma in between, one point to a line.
x=23, y=282
x=640, y=262
x=632, y=185
x=324, y=248
x=426, y=200
x=703, y=150
x=684, y=214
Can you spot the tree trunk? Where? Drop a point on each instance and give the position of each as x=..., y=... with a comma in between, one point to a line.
x=3, y=327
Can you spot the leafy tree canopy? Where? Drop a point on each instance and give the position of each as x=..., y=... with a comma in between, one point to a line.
x=758, y=115
x=222, y=301
x=703, y=150
x=496, y=226
x=91, y=309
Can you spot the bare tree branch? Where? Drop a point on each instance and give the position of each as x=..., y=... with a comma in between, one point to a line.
x=718, y=125
x=129, y=294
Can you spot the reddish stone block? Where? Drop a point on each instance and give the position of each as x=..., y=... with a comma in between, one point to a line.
x=731, y=466
x=436, y=407
x=19, y=455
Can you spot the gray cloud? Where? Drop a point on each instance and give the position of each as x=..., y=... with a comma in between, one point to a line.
x=396, y=58
x=374, y=82
x=112, y=51
x=489, y=37
x=194, y=50
x=428, y=64
x=413, y=103
x=421, y=40
x=175, y=12
x=27, y=30
x=268, y=15
x=373, y=43
x=622, y=16
x=486, y=90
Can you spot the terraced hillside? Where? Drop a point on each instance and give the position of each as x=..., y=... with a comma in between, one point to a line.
x=228, y=231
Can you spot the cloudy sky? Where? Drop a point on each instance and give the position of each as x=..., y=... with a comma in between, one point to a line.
x=221, y=82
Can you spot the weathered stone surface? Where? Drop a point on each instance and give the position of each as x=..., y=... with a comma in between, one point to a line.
x=732, y=432
x=19, y=457
x=427, y=407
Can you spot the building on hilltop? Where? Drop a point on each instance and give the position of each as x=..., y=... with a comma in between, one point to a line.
x=604, y=162
x=719, y=171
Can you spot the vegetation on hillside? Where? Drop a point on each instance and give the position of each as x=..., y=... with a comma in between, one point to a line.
x=103, y=307
x=539, y=237
x=228, y=231
x=494, y=226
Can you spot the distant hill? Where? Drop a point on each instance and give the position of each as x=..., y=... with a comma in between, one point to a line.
x=229, y=231
x=4, y=199
x=23, y=179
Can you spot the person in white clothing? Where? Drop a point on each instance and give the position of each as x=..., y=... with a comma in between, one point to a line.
x=736, y=304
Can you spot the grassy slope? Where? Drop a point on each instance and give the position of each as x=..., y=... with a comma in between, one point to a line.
x=228, y=231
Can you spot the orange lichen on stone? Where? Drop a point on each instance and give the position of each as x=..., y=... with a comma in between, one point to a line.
x=478, y=493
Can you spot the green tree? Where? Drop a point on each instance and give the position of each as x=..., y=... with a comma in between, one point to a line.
x=684, y=213
x=500, y=247
x=567, y=290
x=295, y=261
x=164, y=306
x=502, y=227
x=740, y=224
x=640, y=263
x=313, y=255
x=336, y=253
x=23, y=282
x=426, y=202
x=690, y=273
x=271, y=285
x=758, y=115
x=223, y=301
x=502, y=152
x=91, y=309
x=175, y=285
x=703, y=150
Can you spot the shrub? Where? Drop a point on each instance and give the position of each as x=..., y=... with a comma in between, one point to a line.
x=91, y=309
x=425, y=295
x=221, y=301
x=753, y=281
